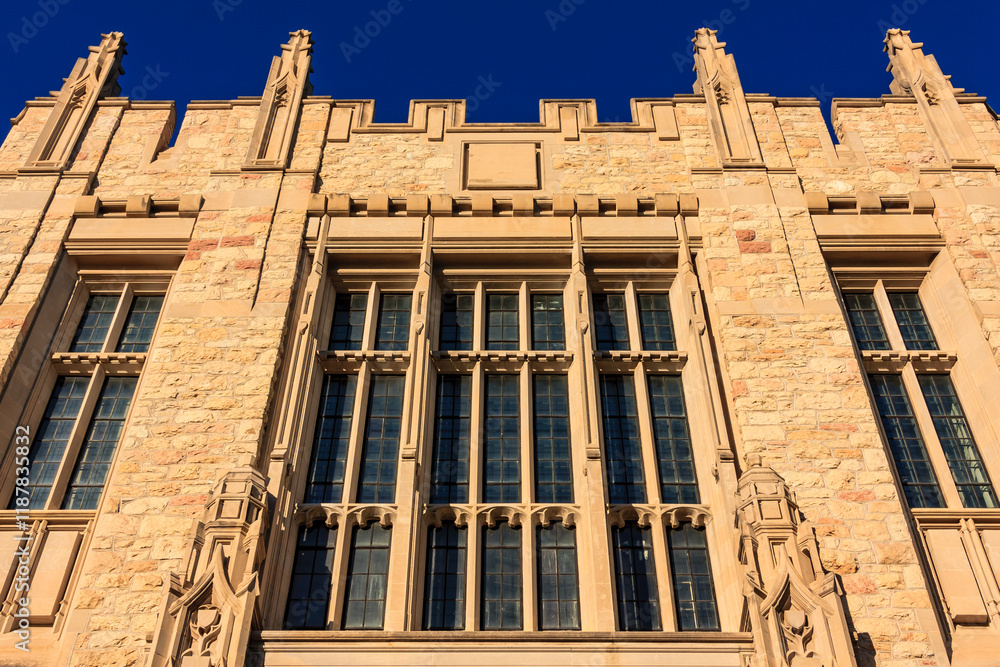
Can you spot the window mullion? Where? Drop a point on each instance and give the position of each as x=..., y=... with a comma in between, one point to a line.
x=359, y=421
x=118, y=319
x=371, y=318
x=664, y=578
x=945, y=479
x=529, y=578
x=479, y=318
x=472, y=575
x=527, y=418
x=524, y=330
x=341, y=558
x=632, y=317
x=649, y=456
x=478, y=407
x=892, y=331
x=75, y=443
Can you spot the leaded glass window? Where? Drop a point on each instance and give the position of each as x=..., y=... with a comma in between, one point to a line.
x=140, y=324
x=331, y=440
x=553, y=466
x=610, y=322
x=501, y=440
x=381, y=446
x=348, y=321
x=452, y=425
x=674, y=455
x=95, y=323
x=623, y=450
x=635, y=578
x=655, y=322
x=558, y=579
x=457, y=312
x=501, y=322
x=547, y=330
x=444, y=590
x=99, y=445
x=501, y=582
x=393, y=331
x=920, y=484
x=367, y=578
x=866, y=323
x=694, y=592
x=312, y=575
x=912, y=321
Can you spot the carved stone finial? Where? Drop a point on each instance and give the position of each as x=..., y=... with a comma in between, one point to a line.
x=917, y=74
x=729, y=115
x=92, y=78
x=792, y=605
x=287, y=84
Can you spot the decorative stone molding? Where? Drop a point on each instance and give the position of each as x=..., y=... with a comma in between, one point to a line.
x=113, y=363
x=920, y=75
x=868, y=202
x=287, y=83
x=362, y=516
x=92, y=78
x=793, y=607
x=648, y=515
x=94, y=206
x=544, y=516
x=307, y=515
x=729, y=116
x=438, y=514
x=490, y=516
x=206, y=618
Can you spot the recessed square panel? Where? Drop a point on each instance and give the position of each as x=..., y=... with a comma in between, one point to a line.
x=502, y=166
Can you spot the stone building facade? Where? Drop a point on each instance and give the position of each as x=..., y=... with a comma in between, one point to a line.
x=704, y=388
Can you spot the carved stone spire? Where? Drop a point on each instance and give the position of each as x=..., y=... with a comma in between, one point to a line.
x=92, y=78
x=287, y=84
x=914, y=73
x=793, y=607
x=209, y=608
x=728, y=113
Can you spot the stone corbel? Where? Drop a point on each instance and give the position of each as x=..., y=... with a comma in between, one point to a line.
x=729, y=116
x=92, y=78
x=919, y=75
x=287, y=84
x=436, y=516
x=619, y=515
x=362, y=516
x=207, y=615
x=546, y=515
x=491, y=516
x=307, y=515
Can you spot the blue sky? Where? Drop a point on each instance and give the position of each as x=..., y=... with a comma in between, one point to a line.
x=512, y=52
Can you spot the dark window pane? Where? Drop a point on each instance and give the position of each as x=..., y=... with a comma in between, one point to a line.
x=333, y=431
x=610, y=322
x=51, y=438
x=502, y=440
x=674, y=456
x=348, y=321
x=959, y=446
x=98, y=448
x=501, y=583
x=94, y=324
x=558, y=588
x=622, y=448
x=367, y=578
x=393, y=331
x=501, y=322
x=905, y=442
x=456, y=321
x=655, y=322
x=547, y=330
x=444, y=591
x=865, y=321
x=694, y=592
x=912, y=321
x=312, y=571
x=381, y=446
x=553, y=469
x=452, y=427
x=635, y=578
x=140, y=323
